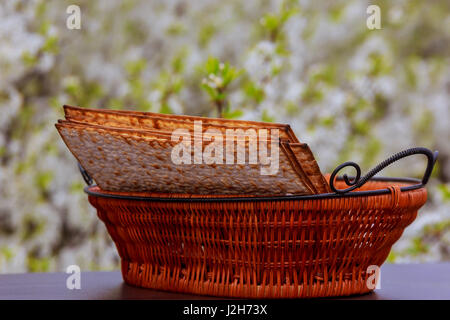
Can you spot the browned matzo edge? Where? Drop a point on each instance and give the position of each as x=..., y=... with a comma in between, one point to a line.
x=147, y=120
x=164, y=133
x=305, y=157
x=120, y=161
x=307, y=168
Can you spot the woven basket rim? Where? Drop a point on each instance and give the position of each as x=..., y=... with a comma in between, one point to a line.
x=410, y=184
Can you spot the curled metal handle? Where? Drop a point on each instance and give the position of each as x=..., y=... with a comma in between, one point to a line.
x=87, y=178
x=357, y=181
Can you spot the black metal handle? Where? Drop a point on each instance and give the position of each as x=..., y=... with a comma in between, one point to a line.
x=87, y=178
x=358, y=181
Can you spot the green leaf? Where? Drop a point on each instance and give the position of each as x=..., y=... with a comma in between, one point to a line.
x=176, y=29
x=233, y=114
x=211, y=92
x=7, y=253
x=254, y=92
x=211, y=65
x=379, y=65
x=165, y=108
x=43, y=179
x=417, y=247
x=270, y=21
x=135, y=68
x=217, y=77
x=51, y=45
x=445, y=191
x=373, y=148
x=311, y=94
x=266, y=118
x=326, y=74
x=205, y=35
x=327, y=121
x=44, y=27
x=391, y=257
x=38, y=264
x=28, y=59
x=178, y=61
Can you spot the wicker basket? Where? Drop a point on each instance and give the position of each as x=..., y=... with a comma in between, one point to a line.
x=262, y=247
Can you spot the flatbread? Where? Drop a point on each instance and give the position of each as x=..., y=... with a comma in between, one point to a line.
x=140, y=161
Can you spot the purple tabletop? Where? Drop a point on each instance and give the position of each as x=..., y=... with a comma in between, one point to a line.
x=398, y=281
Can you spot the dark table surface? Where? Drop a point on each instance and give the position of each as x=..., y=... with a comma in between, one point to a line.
x=400, y=281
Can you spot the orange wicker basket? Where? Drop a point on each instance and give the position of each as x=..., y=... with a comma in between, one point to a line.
x=263, y=247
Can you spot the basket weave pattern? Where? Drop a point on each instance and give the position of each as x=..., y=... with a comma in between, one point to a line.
x=258, y=249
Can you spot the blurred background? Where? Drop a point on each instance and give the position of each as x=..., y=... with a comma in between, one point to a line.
x=351, y=93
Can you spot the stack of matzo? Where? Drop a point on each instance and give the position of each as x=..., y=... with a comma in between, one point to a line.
x=130, y=151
